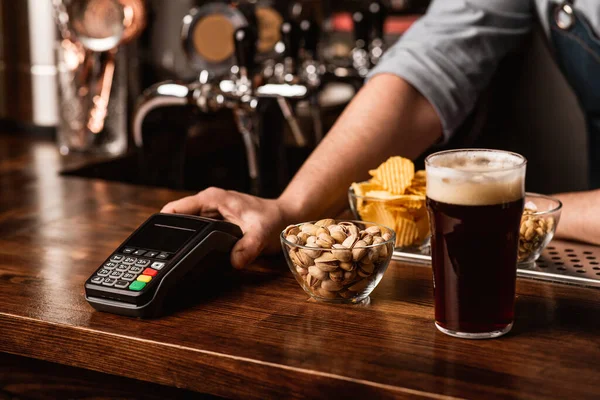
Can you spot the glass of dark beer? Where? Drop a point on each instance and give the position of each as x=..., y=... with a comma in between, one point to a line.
x=475, y=201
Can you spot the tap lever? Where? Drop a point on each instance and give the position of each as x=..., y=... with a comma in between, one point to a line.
x=361, y=30
x=309, y=38
x=377, y=15
x=290, y=36
x=245, y=49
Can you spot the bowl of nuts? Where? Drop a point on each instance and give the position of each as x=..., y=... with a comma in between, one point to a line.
x=538, y=224
x=338, y=261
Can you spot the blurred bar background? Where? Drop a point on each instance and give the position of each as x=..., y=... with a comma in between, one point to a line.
x=189, y=94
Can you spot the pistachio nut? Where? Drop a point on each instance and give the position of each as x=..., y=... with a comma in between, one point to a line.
x=347, y=266
x=301, y=270
x=350, y=228
x=353, y=230
x=318, y=273
x=332, y=286
x=325, y=222
x=336, y=228
x=309, y=228
x=327, y=262
x=346, y=294
x=299, y=257
x=358, y=252
x=338, y=236
x=312, y=253
x=365, y=270
x=312, y=282
x=386, y=236
x=373, y=230
x=384, y=252
x=321, y=230
x=368, y=239
x=311, y=240
x=323, y=244
x=341, y=253
x=337, y=275
x=293, y=253
x=350, y=241
x=325, y=240
x=373, y=253
x=359, y=286
x=326, y=293
x=303, y=237
x=349, y=276
x=291, y=230
x=292, y=239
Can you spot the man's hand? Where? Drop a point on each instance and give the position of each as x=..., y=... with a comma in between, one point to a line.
x=580, y=218
x=261, y=220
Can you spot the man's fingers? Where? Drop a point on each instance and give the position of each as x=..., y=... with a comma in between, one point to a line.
x=204, y=203
x=246, y=250
x=187, y=205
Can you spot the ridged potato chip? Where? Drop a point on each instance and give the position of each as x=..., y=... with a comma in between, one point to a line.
x=395, y=174
x=408, y=201
x=406, y=232
x=395, y=197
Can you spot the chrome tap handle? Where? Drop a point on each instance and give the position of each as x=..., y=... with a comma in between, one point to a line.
x=309, y=41
x=245, y=50
x=246, y=128
x=360, y=54
x=290, y=36
x=361, y=30
x=377, y=15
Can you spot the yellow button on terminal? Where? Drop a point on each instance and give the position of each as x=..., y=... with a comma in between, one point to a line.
x=144, y=278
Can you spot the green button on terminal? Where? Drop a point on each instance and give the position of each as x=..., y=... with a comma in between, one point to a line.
x=137, y=286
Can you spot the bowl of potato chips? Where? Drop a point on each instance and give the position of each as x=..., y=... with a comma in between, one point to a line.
x=394, y=197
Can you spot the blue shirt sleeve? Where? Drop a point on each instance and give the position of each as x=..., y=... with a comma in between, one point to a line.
x=450, y=54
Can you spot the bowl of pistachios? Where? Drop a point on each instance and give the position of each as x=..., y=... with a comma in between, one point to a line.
x=338, y=261
x=538, y=225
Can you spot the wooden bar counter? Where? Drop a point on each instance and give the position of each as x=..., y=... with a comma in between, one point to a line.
x=259, y=337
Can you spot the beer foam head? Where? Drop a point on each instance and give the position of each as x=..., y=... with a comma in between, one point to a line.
x=475, y=177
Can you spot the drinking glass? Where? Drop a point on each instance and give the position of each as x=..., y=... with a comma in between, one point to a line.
x=475, y=201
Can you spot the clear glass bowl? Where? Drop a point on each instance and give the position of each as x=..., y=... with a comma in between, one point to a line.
x=346, y=275
x=537, y=228
x=386, y=212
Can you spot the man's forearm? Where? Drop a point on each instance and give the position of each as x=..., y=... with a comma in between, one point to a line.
x=387, y=117
x=580, y=218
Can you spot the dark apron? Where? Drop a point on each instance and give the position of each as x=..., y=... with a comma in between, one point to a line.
x=578, y=55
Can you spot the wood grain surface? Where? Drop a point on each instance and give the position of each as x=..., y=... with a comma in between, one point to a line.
x=256, y=335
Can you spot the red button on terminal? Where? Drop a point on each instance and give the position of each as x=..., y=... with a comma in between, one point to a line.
x=150, y=272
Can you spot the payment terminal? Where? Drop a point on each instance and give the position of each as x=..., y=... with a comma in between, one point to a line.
x=165, y=251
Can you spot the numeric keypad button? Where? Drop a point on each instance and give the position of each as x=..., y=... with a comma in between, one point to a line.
x=129, y=277
x=110, y=265
x=142, y=263
x=136, y=270
x=129, y=261
x=116, y=274
x=109, y=281
x=117, y=258
x=103, y=272
x=121, y=284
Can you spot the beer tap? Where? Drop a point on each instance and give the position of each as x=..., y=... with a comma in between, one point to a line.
x=360, y=53
x=281, y=76
x=311, y=72
x=377, y=15
x=245, y=103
